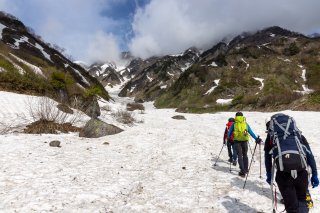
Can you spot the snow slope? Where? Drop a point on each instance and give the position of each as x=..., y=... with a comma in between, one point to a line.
x=161, y=165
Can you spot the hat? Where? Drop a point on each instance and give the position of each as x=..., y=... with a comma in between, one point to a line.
x=231, y=119
x=239, y=114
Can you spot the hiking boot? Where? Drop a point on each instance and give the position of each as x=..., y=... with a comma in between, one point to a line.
x=230, y=160
x=234, y=162
x=242, y=174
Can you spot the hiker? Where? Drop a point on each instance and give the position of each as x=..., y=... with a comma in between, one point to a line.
x=292, y=154
x=229, y=142
x=241, y=130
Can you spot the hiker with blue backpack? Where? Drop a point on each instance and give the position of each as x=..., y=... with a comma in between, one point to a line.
x=291, y=156
x=242, y=131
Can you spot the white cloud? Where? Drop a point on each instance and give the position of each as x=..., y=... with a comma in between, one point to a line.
x=171, y=26
x=160, y=27
x=103, y=47
x=71, y=24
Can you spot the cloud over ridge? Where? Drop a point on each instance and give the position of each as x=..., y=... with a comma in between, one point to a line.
x=171, y=26
x=98, y=30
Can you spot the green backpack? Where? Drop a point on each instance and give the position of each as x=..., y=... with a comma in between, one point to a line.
x=241, y=129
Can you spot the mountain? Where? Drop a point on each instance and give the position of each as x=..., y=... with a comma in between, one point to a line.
x=29, y=65
x=143, y=79
x=150, y=78
x=270, y=69
x=106, y=73
x=314, y=35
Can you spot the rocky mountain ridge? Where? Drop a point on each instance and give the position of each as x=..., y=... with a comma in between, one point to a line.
x=270, y=69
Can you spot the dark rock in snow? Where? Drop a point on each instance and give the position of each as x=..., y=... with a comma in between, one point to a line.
x=179, y=117
x=55, y=143
x=96, y=128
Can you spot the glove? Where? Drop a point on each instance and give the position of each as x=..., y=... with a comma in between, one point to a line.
x=269, y=178
x=224, y=141
x=314, y=181
x=258, y=140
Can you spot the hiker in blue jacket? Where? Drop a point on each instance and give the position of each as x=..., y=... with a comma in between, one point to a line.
x=293, y=190
x=242, y=130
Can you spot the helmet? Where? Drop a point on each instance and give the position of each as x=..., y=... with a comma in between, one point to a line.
x=231, y=119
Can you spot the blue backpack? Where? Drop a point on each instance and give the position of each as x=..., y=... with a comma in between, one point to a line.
x=287, y=150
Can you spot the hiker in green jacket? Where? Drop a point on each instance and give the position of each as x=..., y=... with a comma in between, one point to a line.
x=241, y=131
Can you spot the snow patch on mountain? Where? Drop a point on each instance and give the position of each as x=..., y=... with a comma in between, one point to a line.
x=212, y=88
x=305, y=89
x=303, y=75
x=46, y=55
x=1, y=29
x=149, y=78
x=245, y=63
x=25, y=39
x=83, y=78
x=132, y=88
x=224, y=101
x=20, y=70
x=169, y=73
x=284, y=59
x=213, y=64
x=261, y=81
x=186, y=66
x=177, y=55
x=34, y=68
x=79, y=74
x=22, y=39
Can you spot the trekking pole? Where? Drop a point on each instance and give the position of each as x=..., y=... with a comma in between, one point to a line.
x=219, y=155
x=255, y=147
x=230, y=166
x=260, y=160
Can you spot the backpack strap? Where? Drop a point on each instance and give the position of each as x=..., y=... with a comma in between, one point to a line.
x=279, y=152
x=301, y=152
x=296, y=130
x=288, y=152
x=285, y=130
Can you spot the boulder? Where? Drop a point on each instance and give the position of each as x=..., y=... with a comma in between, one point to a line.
x=179, y=117
x=55, y=143
x=96, y=128
x=134, y=106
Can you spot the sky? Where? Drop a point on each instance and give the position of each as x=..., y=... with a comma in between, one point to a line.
x=99, y=30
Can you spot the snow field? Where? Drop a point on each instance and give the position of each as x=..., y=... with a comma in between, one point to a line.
x=160, y=165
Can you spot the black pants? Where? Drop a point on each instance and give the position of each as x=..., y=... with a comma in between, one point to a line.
x=293, y=191
x=242, y=152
